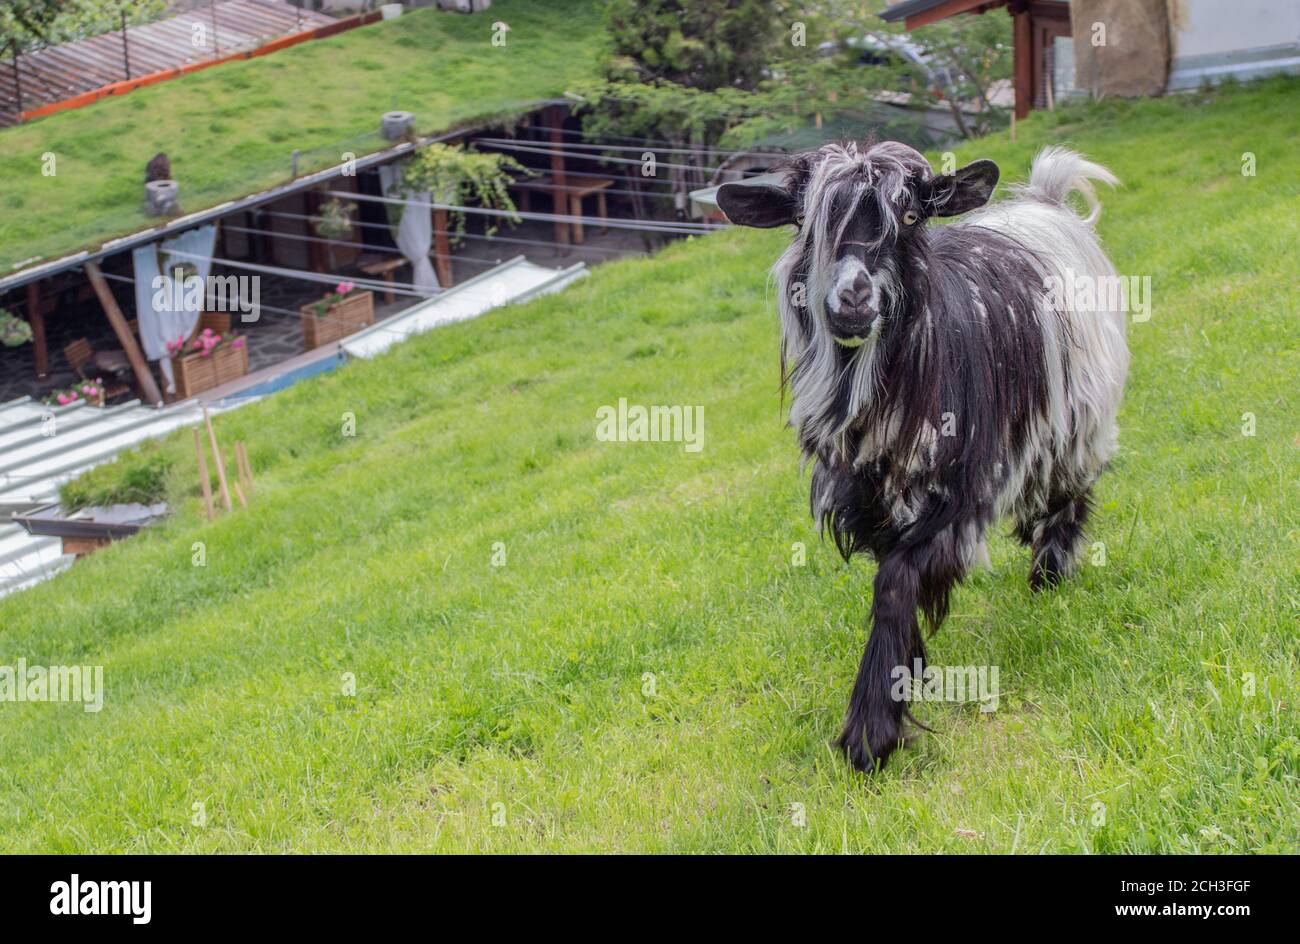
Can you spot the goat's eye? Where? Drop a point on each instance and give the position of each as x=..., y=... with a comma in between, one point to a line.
x=909, y=217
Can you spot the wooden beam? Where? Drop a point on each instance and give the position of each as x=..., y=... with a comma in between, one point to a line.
x=36, y=318
x=559, y=199
x=1023, y=52
x=148, y=386
x=80, y=547
x=945, y=10
x=441, y=248
x=315, y=250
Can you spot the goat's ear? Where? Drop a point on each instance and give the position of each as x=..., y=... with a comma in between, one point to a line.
x=963, y=190
x=760, y=205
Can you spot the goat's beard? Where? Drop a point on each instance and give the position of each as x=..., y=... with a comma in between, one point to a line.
x=816, y=367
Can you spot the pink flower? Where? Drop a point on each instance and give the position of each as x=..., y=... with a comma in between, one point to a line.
x=63, y=399
x=237, y=343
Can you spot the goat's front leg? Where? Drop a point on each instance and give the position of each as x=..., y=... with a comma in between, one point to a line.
x=874, y=725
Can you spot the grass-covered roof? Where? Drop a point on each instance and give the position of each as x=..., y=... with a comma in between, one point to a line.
x=231, y=130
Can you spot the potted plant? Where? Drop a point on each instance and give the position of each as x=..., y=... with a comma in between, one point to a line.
x=334, y=221
x=208, y=359
x=340, y=313
x=91, y=391
x=13, y=330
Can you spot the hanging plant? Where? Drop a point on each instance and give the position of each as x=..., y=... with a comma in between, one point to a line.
x=13, y=330
x=456, y=176
x=335, y=219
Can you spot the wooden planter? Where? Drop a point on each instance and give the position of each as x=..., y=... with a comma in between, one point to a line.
x=341, y=319
x=196, y=373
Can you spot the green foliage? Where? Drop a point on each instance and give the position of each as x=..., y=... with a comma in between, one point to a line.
x=457, y=176
x=26, y=23
x=649, y=671
x=334, y=220
x=706, y=44
x=139, y=475
x=30, y=24
x=14, y=331
x=663, y=110
x=966, y=56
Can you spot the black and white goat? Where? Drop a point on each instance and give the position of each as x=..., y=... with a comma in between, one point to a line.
x=937, y=382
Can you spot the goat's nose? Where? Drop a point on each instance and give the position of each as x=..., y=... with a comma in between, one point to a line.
x=857, y=297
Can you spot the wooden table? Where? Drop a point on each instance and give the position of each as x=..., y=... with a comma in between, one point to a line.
x=574, y=188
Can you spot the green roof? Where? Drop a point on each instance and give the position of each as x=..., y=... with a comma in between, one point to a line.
x=231, y=130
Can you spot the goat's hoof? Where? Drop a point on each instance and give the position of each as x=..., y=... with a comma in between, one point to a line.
x=1044, y=578
x=868, y=750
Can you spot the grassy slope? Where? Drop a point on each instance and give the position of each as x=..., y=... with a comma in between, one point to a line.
x=523, y=685
x=231, y=130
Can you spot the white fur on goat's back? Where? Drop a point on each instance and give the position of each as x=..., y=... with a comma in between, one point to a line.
x=1086, y=350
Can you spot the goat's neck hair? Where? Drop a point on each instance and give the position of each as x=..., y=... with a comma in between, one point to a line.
x=827, y=392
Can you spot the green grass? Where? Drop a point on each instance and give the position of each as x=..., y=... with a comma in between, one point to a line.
x=1124, y=724
x=231, y=130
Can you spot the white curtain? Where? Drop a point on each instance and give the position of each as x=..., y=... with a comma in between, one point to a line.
x=159, y=319
x=414, y=234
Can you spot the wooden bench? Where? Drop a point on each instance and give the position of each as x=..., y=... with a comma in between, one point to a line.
x=383, y=267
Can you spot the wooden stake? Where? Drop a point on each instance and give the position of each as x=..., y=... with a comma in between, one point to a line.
x=245, y=467
x=203, y=474
x=239, y=493
x=221, y=467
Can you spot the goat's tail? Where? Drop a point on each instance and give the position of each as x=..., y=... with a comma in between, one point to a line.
x=1058, y=171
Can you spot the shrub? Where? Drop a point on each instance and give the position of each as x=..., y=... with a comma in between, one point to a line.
x=139, y=475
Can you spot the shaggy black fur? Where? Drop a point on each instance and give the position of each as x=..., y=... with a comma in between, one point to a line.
x=962, y=379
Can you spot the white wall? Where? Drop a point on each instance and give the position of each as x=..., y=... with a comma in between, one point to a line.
x=1211, y=39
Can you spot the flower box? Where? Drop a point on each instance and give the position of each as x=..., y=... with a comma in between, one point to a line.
x=342, y=318
x=195, y=372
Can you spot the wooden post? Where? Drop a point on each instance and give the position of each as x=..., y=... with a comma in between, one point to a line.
x=36, y=318
x=1023, y=58
x=315, y=250
x=203, y=474
x=559, y=199
x=148, y=386
x=244, y=469
x=442, y=248
x=18, y=78
x=216, y=457
x=239, y=493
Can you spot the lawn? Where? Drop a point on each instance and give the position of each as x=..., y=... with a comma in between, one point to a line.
x=231, y=130
x=649, y=669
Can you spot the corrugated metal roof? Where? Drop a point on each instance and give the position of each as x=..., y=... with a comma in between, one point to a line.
x=42, y=447
x=59, y=72
x=516, y=280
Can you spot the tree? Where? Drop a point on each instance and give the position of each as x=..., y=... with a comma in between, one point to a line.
x=26, y=25
x=705, y=44
x=953, y=63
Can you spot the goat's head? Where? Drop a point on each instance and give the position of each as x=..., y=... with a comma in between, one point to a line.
x=860, y=211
